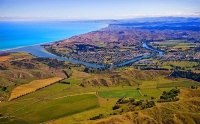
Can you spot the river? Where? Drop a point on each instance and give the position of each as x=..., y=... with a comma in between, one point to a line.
x=150, y=48
x=39, y=51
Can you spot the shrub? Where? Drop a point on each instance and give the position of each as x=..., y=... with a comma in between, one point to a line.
x=150, y=104
x=193, y=87
x=132, y=100
x=116, y=107
x=97, y=117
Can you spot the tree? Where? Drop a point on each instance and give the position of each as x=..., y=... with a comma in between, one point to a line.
x=4, y=88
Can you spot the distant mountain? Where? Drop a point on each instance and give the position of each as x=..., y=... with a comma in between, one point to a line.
x=161, y=23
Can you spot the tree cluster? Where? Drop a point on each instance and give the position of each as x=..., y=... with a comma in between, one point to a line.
x=170, y=96
x=93, y=70
x=193, y=87
x=186, y=74
x=132, y=104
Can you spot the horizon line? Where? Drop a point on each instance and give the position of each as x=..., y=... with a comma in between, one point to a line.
x=84, y=19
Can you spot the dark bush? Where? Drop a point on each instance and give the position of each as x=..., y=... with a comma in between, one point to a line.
x=97, y=117
x=116, y=107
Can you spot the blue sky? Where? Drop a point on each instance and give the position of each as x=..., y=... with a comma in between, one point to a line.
x=98, y=9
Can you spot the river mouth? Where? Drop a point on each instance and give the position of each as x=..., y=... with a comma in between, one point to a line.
x=39, y=51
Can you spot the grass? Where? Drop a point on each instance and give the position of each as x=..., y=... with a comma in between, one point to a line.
x=148, y=84
x=178, y=84
x=119, y=94
x=151, y=92
x=58, y=108
x=176, y=44
x=72, y=81
x=50, y=91
x=83, y=117
x=18, y=55
x=45, y=92
x=32, y=86
x=12, y=121
x=186, y=64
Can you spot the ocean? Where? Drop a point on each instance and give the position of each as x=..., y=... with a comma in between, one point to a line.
x=16, y=34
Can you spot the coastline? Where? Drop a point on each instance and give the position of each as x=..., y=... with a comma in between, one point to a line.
x=39, y=33
x=51, y=42
x=38, y=50
x=45, y=43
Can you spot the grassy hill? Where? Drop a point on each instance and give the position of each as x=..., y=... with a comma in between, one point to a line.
x=22, y=68
x=185, y=111
x=122, y=78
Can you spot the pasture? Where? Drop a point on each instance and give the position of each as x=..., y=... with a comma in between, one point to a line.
x=67, y=103
x=71, y=81
x=20, y=55
x=185, y=64
x=57, y=108
x=32, y=86
x=179, y=84
x=12, y=121
x=120, y=94
x=176, y=44
x=151, y=92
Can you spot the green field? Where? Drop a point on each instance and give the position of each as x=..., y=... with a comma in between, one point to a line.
x=185, y=64
x=176, y=44
x=57, y=108
x=120, y=94
x=178, y=84
x=71, y=81
x=151, y=92
x=12, y=121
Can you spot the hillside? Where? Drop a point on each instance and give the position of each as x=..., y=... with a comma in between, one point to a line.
x=22, y=68
x=123, y=78
x=88, y=95
x=185, y=111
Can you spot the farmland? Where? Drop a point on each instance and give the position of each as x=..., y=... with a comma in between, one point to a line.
x=120, y=94
x=32, y=86
x=85, y=95
x=58, y=108
x=176, y=44
x=61, y=95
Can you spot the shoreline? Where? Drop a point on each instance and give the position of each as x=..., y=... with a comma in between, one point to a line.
x=103, y=25
x=45, y=43
x=38, y=50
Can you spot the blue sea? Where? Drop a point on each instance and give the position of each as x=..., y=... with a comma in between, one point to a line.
x=15, y=34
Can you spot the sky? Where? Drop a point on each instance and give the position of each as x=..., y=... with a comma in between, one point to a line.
x=97, y=9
